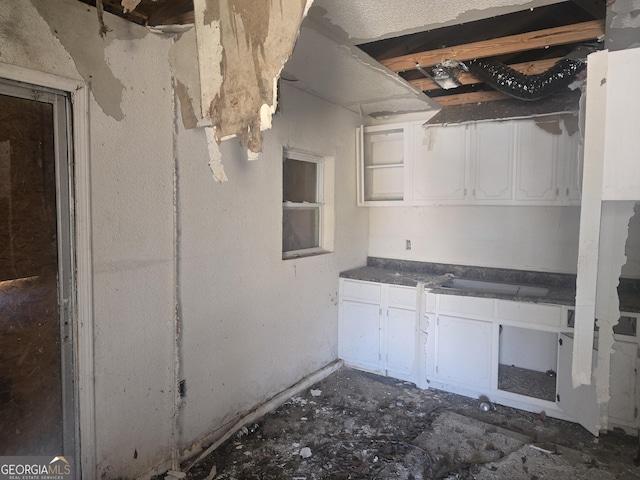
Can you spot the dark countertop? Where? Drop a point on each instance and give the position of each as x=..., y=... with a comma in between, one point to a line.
x=562, y=290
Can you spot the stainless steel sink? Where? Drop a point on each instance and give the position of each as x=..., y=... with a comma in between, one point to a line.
x=484, y=286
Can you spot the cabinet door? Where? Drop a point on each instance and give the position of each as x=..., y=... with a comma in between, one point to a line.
x=579, y=403
x=536, y=163
x=464, y=351
x=622, y=402
x=492, y=151
x=401, y=343
x=439, y=163
x=359, y=343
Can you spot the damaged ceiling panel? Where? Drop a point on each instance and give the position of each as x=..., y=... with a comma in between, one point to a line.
x=344, y=75
x=242, y=47
x=529, y=54
x=379, y=57
x=363, y=21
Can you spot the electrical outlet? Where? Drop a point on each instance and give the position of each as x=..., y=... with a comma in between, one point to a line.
x=407, y=245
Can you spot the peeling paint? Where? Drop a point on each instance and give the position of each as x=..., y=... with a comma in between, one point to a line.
x=215, y=157
x=188, y=114
x=242, y=47
x=616, y=216
x=559, y=123
x=549, y=124
x=80, y=38
x=184, y=66
x=26, y=41
x=209, y=48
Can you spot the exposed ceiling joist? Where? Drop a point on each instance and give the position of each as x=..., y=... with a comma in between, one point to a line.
x=528, y=68
x=578, y=32
x=472, y=97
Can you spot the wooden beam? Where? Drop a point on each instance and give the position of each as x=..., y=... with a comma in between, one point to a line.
x=488, y=48
x=473, y=97
x=528, y=68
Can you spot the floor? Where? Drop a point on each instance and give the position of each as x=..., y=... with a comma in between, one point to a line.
x=355, y=425
x=527, y=382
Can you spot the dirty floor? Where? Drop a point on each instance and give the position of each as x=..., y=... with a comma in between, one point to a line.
x=355, y=425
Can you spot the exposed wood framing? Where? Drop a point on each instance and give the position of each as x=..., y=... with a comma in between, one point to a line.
x=487, y=48
x=528, y=68
x=473, y=97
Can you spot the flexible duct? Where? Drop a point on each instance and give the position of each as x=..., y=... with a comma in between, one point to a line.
x=526, y=87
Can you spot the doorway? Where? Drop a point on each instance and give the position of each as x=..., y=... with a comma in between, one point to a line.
x=37, y=397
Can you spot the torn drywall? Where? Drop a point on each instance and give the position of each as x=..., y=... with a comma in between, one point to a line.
x=242, y=47
x=615, y=221
x=79, y=36
x=215, y=157
x=184, y=66
x=187, y=113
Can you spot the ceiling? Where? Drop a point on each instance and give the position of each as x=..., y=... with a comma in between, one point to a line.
x=343, y=45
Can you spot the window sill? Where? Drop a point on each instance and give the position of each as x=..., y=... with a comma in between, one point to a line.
x=304, y=254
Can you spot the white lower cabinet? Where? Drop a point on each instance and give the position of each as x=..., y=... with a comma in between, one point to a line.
x=461, y=344
x=360, y=334
x=464, y=351
x=378, y=325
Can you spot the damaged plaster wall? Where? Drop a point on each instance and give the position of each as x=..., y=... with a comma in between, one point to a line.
x=22, y=32
x=615, y=222
x=131, y=164
x=254, y=324
x=242, y=47
x=88, y=50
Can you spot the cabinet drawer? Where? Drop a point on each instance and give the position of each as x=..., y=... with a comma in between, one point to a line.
x=402, y=296
x=549, y=315
x=474, y=306
x=365, y=291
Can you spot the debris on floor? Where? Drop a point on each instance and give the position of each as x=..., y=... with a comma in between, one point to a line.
x=355, y=425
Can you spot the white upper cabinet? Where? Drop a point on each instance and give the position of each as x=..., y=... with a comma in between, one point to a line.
x=382, y=172
x=440, y=163
x=491, y=155
x=536, y=162
x=510, y=162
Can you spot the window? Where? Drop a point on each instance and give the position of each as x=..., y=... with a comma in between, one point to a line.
x=306, y=228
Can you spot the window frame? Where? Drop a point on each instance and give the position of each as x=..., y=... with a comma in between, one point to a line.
x=320, y=204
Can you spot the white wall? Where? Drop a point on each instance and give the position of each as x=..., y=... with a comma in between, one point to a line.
x=527, y=238
x=252, y=324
